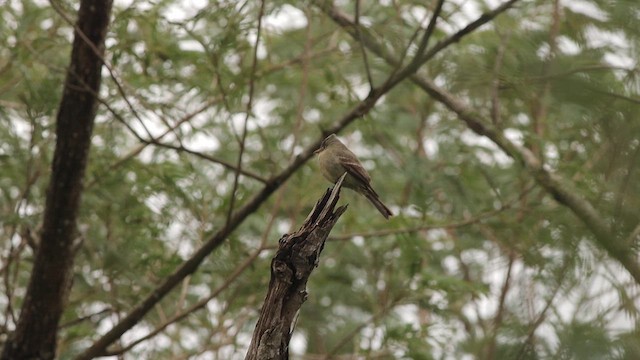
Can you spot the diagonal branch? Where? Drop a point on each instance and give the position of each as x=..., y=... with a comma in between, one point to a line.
x=191, y=264
x=419, y=58
x=229, y=280
x=372, y=43
x=428, y=32
x=483, y=19
x=561, y=189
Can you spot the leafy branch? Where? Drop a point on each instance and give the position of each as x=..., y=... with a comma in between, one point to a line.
x=190, y=265
x=560, y=188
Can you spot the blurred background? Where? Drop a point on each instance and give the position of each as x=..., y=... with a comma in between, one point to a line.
x=481, y=261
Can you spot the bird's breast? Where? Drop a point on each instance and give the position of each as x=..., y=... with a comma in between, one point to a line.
x=331, y=169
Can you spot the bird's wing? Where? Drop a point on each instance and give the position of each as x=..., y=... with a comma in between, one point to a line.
x=355, y=169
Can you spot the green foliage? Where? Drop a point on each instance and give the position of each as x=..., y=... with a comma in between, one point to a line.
x=428, y=284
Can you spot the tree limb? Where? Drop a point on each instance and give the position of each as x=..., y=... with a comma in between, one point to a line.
x=297, y=256
x=561, y=189
x=191, y=264
x=35, y=336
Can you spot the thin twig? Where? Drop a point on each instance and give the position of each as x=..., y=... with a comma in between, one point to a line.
x=456, y=224
x=193, y=308
x=79, y=320
x=408, y=46
x=300, y=106
x=203, y=302
x=208, y=158
x=14, y=252
x=581, y=69
x=428, y=32
x=249, y=110
x=497, y=320
x=138, y=149
x=375, y=317
x=540, y=106
x=106, y=64
x=495, y=85
x=418, y=59
x=296, y=60
x=118, y=117
x=543, y=314
x=364, y=52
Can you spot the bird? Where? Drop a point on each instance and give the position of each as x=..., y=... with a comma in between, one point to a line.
x=335, y=159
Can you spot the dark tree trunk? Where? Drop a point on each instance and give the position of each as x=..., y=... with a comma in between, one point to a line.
x=36, y=332
x=297, y=256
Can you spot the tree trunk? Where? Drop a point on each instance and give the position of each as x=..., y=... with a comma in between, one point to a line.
x=297, y=256
x=36, y=331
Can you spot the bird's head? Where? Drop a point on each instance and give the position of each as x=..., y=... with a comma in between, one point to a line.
x=326, y=142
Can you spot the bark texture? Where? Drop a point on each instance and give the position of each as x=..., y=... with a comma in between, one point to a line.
x=297, y=256
x=36, y=331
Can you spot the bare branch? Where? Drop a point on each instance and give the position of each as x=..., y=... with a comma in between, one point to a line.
x=195, y=307
x=298, y=254
x=414, y=229
x=371, y=42
x=483, y=19
x=561, y=189
x=191, y=264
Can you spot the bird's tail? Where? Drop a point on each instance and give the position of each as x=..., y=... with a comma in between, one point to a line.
x=372, y=196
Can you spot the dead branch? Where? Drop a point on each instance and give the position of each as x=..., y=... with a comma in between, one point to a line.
x=297, y=256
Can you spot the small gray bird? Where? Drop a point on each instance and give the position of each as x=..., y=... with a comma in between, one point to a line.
x=335, y=159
